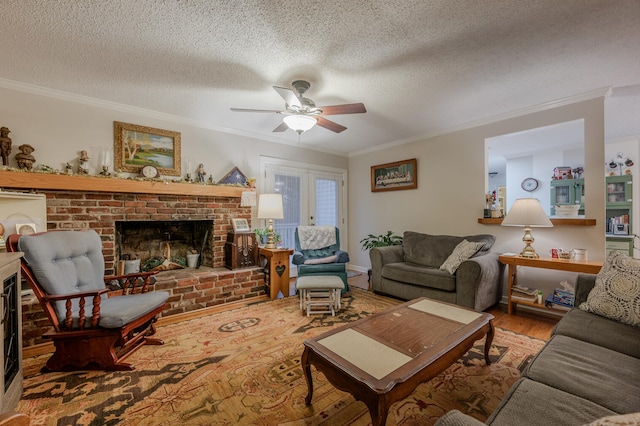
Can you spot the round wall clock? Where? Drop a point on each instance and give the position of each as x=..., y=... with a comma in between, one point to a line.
x=529, y=184
x=149, y=171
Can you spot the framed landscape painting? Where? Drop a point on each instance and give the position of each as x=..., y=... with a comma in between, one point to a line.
x=394, y=176
x=139, y=146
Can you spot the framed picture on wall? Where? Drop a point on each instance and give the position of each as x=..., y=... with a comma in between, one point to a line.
x=240, y=225
x=138, y=146
x=394, y=176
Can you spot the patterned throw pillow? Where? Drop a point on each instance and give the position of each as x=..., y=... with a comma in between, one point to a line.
x=619, y=420
x=616, y=294
x=462, y=252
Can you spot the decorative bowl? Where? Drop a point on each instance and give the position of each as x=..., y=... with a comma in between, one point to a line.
x=567, y=210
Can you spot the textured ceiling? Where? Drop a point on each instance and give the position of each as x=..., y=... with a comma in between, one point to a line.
x=420, y=67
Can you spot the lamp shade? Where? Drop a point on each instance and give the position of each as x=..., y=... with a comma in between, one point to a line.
x=527, y=212
x=299, y=122
x=270, y=206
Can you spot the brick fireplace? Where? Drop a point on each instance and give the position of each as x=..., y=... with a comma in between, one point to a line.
x=170, y=207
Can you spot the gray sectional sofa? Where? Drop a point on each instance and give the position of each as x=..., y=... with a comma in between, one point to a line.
x=411, y=270
x=589, y=370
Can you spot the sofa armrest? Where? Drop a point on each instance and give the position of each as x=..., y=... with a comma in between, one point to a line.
x=457, y=418
x=381, y=256
x=584, y=284
x=479, y=282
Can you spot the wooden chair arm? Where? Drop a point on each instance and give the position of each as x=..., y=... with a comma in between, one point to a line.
x=68, y=317
x=56, y=297
x=138, y=282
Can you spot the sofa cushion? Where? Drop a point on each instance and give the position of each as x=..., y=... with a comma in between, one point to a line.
x=463, y=251
x=616, y=294
x=419, y=275
x=605, y=377
x=433, y=250
x=531, y=403
x=428, y=250
x=600, y=331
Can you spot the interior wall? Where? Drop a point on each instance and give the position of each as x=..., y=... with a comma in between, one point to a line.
x=59, y=127
x=451, y=186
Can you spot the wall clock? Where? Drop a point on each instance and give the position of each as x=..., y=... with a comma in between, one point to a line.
x=529, y=184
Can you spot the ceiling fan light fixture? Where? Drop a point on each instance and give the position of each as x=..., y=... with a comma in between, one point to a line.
x=299, y=123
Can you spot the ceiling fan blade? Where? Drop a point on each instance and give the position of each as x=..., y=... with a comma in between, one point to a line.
x=255, y=110
x=330, y=125
x=343, y=109
x=281, y=128
x=288, y=95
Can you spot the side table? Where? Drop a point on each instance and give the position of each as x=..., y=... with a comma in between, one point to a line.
x=513, y=262
x=276, y=271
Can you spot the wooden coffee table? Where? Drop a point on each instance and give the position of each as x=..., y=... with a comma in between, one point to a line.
x=381, y=359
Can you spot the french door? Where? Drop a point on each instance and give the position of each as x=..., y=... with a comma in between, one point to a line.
x=311, y=196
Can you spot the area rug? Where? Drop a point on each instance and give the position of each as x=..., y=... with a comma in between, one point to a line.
x=242, y=367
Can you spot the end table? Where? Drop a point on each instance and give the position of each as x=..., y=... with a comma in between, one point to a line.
x=276, y=271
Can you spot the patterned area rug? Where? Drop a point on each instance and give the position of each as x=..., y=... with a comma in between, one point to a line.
x=242, y=367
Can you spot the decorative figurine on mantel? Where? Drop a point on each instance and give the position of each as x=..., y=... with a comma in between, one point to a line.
x=5, y=145
x=200, y=173
x=68, y=169
x=83, y=163
x=24, y=158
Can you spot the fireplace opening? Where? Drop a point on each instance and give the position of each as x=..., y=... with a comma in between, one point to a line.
x=161, y=245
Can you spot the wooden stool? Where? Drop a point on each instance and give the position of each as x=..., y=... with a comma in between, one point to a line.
x=319, y=291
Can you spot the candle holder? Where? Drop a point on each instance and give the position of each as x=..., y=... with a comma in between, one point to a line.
x=105, y=171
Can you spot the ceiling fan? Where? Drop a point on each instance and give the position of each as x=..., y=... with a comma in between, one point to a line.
x=301, y=113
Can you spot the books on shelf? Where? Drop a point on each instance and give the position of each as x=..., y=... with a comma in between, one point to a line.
x=522, y=290
x=519, y=297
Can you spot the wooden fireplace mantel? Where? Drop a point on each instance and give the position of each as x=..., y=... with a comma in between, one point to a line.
x=52, y=181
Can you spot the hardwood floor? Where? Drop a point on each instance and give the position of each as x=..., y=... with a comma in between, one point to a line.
x=530, y=324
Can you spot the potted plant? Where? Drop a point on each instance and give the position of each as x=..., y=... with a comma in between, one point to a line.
x=263, y=235
x=388, y=239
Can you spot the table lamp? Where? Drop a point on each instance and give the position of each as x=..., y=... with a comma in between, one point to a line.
x=270, y=207
x=527, y=212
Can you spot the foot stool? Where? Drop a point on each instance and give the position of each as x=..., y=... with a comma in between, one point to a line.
x=319, y=291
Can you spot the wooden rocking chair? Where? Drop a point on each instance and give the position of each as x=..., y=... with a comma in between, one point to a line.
x=93, y=328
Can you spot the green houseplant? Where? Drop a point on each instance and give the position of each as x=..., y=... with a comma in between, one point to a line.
x=263, y=235
x=388, y=239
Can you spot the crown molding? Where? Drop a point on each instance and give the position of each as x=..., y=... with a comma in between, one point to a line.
x=593, y=94
x=128, y=109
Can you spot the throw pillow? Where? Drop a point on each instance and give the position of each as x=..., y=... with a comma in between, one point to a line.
x=619, y=420
x=462, y=252
x=616, y=294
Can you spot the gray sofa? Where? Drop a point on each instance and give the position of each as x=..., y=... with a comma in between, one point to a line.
x=589, y=369
x=411, y=270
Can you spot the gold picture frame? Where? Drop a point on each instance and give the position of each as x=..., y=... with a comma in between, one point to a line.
x=394, y=176
x=138, y=146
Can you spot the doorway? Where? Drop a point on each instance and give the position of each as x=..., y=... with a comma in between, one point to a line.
x=311, y=195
